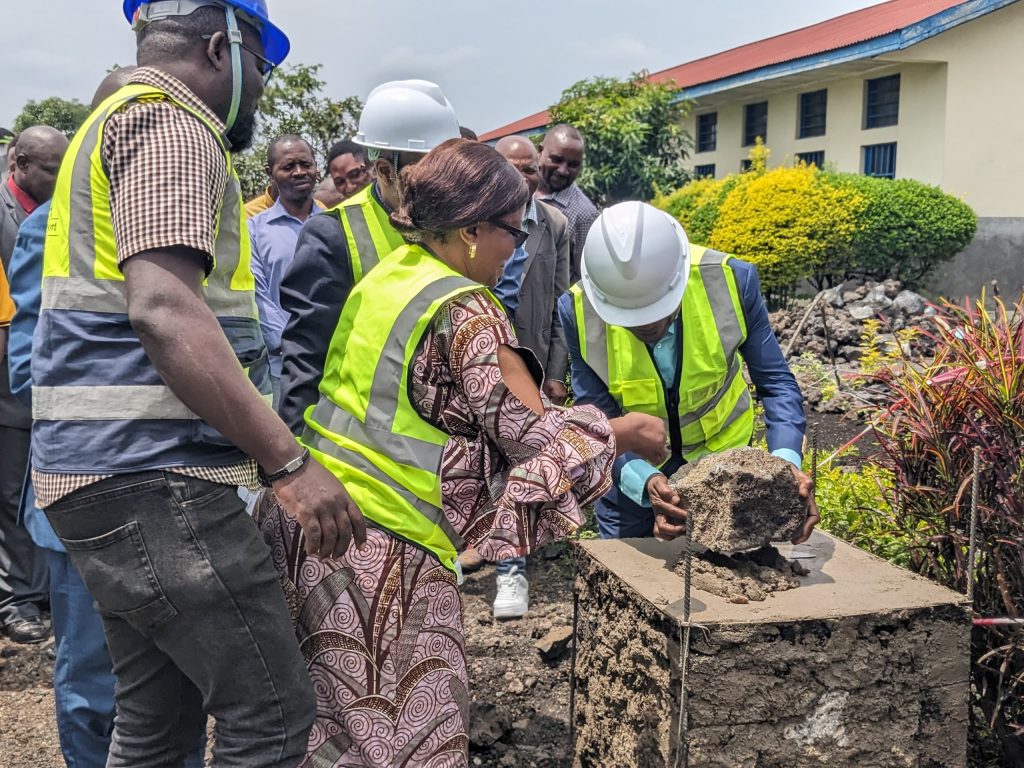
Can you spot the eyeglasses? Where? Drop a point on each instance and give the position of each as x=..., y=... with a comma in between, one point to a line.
x=519, y=236
x=267, y=67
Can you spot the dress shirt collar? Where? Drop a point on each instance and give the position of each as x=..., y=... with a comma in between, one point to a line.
x=23, y=198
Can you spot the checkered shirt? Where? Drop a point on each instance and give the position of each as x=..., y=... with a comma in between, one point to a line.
x=167, y=180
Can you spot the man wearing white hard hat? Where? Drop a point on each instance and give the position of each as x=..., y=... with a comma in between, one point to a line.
x=400, y=122
x=662, y=326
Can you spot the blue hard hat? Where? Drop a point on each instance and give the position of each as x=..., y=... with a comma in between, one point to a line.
x=275, y=42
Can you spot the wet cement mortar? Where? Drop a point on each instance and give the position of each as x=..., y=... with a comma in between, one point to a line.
x=745, y=576
x=868, y=691
x=740, y=500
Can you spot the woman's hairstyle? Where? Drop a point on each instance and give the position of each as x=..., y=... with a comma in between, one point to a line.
x=457, y=184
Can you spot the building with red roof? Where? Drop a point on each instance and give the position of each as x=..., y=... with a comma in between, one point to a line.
x=923, y=89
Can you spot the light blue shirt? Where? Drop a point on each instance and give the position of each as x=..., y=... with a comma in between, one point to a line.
x=507, y=289
x=637, y=473
x=274, y=233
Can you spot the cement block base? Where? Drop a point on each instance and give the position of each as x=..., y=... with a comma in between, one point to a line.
x=864, y=665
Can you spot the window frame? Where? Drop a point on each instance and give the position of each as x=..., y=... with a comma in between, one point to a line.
x=802, y=157
x=803, y=131
x=870, y=150
x=707, y=174
x=875, y=115
x=750, y=139
x=712, y=145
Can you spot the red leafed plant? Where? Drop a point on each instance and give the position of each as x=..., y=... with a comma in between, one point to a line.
x=971, y=395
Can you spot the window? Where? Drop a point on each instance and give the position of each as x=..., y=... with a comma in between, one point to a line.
x=882, y=102
x=880, y=160
x=812, y=114
x=745, y=165
x=704, y=171
x=755, y=123
x=812, y=158
x=707, y=132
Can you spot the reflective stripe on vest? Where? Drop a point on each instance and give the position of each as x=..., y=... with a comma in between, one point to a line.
x=715, y=408
x=365, y=428
x=94, y=387
x=368, y=231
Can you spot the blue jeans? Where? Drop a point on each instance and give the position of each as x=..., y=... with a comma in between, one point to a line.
x=504, y=567
x=195, y=621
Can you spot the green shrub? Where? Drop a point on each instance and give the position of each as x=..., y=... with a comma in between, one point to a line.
x=854, y=505
x=906, y=229
x=635, y=139
x=789, y=224
x=802, y=222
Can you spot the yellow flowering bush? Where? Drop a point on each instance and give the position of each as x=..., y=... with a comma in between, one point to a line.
x=789, y=223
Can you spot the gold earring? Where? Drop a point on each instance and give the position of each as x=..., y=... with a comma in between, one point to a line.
x=472, y=251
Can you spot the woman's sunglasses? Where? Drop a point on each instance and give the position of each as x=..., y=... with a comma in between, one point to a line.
x=519, y=236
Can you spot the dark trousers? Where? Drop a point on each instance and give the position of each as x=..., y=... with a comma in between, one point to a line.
x=23, y=585
x=195, y=621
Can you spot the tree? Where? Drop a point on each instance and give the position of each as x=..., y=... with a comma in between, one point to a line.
x=64, y=115
x=294, y=102
x=633, y=129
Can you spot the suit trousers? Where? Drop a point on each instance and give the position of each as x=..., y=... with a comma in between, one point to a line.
x=23, y=583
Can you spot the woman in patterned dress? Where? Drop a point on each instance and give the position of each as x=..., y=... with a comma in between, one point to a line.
x=381, y=627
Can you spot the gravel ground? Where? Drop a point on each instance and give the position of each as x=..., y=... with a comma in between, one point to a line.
x=521, y=701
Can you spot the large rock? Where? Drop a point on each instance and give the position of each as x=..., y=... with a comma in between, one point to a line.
x=909, y=303
x=833, y=297
x=740, y=499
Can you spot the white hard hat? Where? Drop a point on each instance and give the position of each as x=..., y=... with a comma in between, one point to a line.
x=407, y=116
x=636, y=262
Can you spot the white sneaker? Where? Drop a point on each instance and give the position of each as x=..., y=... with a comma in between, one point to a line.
x=513, y=598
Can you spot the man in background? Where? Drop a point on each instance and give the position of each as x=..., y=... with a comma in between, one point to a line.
x=348, y=168
x=274, y=232
x=23, y=586
x=561, y=159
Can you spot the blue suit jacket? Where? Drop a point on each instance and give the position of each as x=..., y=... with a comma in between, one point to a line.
x=774, y=382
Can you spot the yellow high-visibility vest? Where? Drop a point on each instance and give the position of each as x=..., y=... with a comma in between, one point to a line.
x=709, y=409
x=365, y=429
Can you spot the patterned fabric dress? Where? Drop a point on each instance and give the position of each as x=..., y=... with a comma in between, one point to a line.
x=382, y=628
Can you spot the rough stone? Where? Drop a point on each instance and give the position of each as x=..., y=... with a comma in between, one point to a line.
x=909, y=303
x=740, y=499
x=863, y=311
x=830, y=674
x=892, y=288
x=555, y=643
x=877, y=299
x=843, y=331
x=489, y=725
x=833, y=297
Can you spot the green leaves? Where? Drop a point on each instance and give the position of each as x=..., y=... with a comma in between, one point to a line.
x=972, y=395
x=295, y=102
x=63, y=114
x=800, y=222
x=633, y=129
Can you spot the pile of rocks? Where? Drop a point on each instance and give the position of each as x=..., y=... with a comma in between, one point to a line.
x=845, y=309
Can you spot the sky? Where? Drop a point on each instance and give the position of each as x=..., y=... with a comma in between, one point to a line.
x=496, y=62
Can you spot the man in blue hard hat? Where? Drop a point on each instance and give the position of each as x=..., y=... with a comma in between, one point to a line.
x=151, y=401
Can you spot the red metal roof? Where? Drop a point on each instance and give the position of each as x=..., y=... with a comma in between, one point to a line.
x=849, y=29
